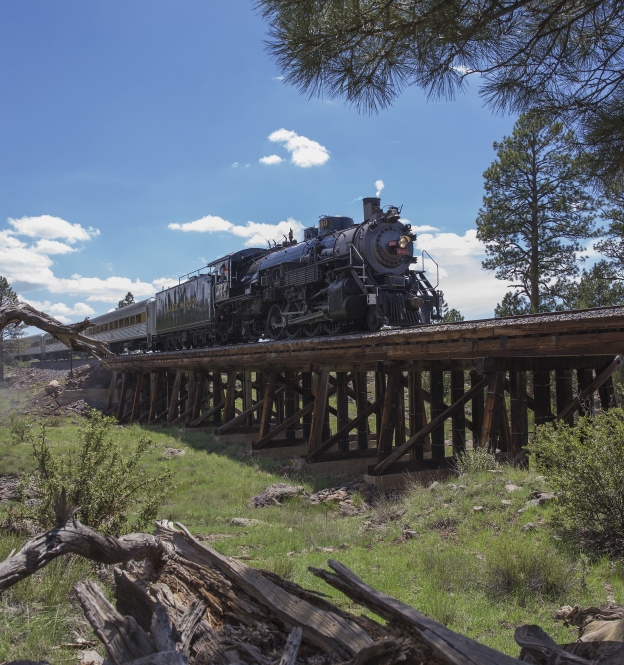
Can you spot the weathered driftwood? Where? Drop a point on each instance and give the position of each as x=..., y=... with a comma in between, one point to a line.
x=331, y=633
x=67, y=334
x=438, y=643
x=188, y=604
x=71, y=537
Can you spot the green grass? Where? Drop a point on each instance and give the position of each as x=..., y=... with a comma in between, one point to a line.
x=475, y=571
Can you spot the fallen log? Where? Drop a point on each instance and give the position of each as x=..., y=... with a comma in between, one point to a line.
x=71, y=537
x=188, y=605
x=70, y=335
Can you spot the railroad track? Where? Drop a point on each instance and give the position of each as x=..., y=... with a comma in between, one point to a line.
x=589, y=332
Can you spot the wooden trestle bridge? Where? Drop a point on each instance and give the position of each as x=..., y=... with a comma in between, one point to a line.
x=385, y=396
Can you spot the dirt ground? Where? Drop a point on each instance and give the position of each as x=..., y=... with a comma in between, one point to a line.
x=32, y=391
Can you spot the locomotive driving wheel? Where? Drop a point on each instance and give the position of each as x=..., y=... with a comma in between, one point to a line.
x=274, y=325
x=291, y=331
x=311, y=329
x=333, y=327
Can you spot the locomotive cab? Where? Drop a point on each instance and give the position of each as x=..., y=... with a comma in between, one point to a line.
x=337, y=223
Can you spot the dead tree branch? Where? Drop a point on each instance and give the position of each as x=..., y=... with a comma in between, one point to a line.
x=70, y=335
x=71, y=537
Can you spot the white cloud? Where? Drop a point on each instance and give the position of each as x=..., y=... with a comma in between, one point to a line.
x=48, y=227
x=254, y=232
x=419, y=229
x=466, y=286
x=271, y=159
x=61, y=311
x=28, y=266
x=235, y=165
x=52, y=247
x=379, y=184
x=304, y=152
x=277, y=78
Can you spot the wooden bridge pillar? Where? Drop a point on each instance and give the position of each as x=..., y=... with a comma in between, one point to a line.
x=307, y=398
x=417, y=416
x=436, y=380
x=122, y=396
x=137, y=397
x=218, y=397
x=230, y=397
x=342, y=409
x=270, y=379
x=563, y=391
x=289, y=404
x=153, y=404
x=247, y=397
x=380, y=390
x=360, y=385
x=477, y=407
x=389, y=415
x=173, y=399
x=491, y=411
x=607, y=393
x=519, y=413
x=320, y=410
x=459, y=417
x=585, y=377
x=399, y=429
x=541, y=397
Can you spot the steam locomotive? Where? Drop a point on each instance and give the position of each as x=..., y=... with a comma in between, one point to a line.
x=343, y=277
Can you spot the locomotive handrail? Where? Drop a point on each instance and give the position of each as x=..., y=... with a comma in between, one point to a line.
x=424, y=251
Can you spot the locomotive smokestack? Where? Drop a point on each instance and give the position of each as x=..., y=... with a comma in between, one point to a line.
x=370, y=204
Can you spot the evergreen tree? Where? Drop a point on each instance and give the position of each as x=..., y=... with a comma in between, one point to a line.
x=8, y=297
x=536, y=212
x=451, y=315
x=596, y=288
x=128, y=299
x=613, y=245
x=564, y=56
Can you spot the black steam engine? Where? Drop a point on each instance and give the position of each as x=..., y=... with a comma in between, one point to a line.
x=344, y=277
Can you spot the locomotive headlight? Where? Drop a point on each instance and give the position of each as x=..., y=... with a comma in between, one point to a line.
x=404, y=241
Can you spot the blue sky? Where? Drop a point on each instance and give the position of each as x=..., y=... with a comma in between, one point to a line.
x=122, y=123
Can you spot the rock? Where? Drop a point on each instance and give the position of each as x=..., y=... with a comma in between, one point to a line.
x=171, y=453
x=53, y=388
x=433, y=486
x=539, y=479
x=329, y=550
x=506, y=502
x=274, y=495
x=510, y=487
x=244, y=521
x=529, y=526
x=477, y=509
x=495, y=470
x=90, y=658
x=410, y=533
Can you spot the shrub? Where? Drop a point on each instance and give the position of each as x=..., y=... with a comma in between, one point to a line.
x=99, y=477
x=475, y=461
x=20, y=428
x=518, y=569
x=585, y=467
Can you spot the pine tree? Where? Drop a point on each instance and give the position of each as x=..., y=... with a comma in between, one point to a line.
x=128, y=299
x=596, y=288
x=8, y=297
x=536, y=211
x=564, y=56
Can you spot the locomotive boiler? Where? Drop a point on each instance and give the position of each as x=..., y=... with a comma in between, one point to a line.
x=343, y=277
